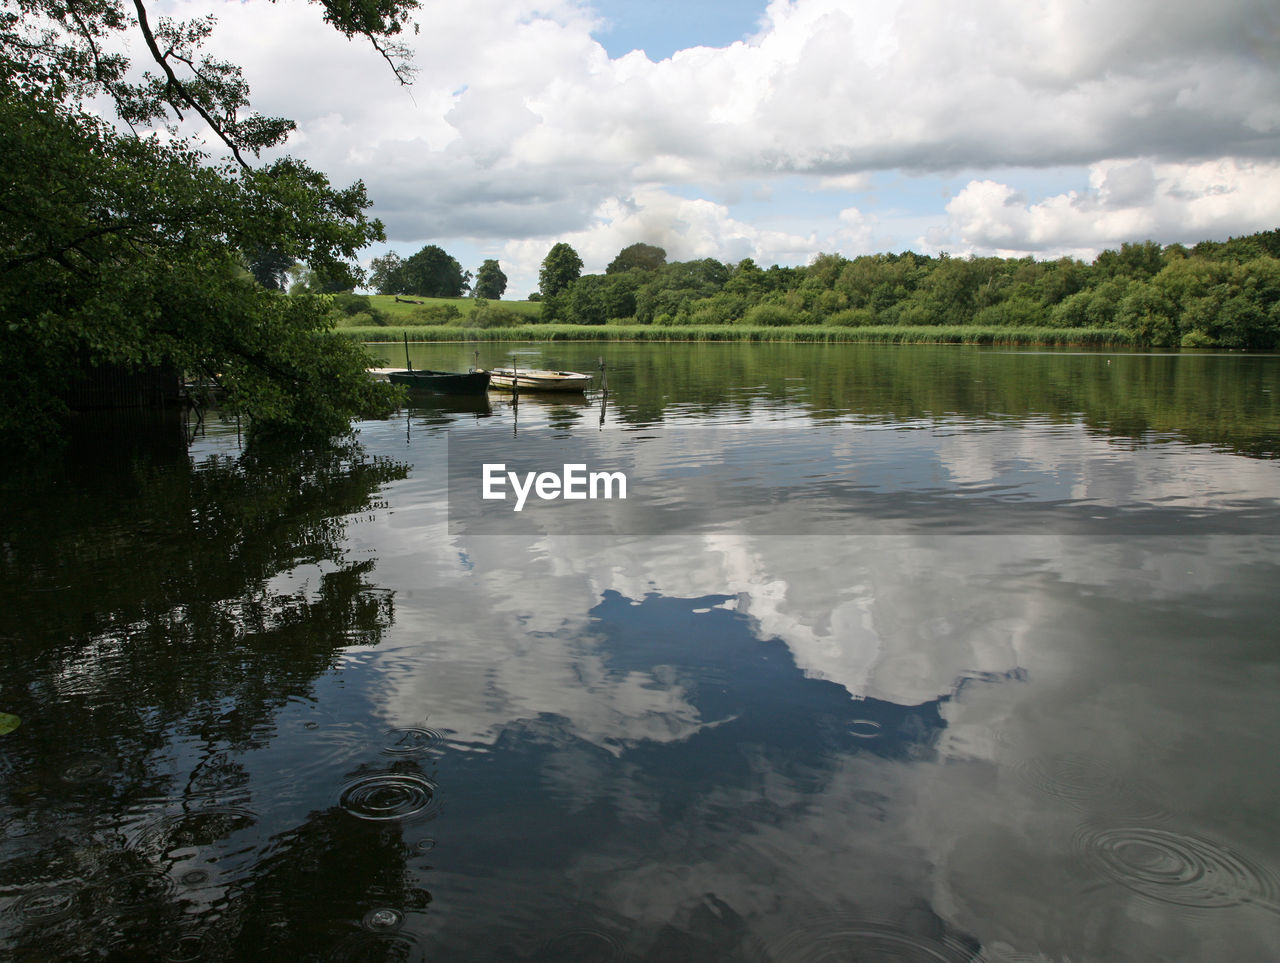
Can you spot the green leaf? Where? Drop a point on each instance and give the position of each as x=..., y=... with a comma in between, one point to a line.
x=8, y=723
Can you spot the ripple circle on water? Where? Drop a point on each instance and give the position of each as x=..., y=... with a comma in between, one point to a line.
x=90, y=768
x=46, y=905
x=865, y=940
x=865, y=729
x=581, y=944
x=193, y=830
x=384, y=919
x=1176, y=867
x=366, y=946
x=412, y=740
x=388, y=795
x=1088, y=785
x=140, y=888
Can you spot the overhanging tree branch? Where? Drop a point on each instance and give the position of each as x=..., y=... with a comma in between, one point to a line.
x=181, y=88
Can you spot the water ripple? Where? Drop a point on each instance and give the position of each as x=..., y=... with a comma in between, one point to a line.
x=865, y=729
x=46, y=905
x=1088, y=785
x=1177, y=868
x=581, y=944
x=384, y=919
x=412, y=740
x=192, y=830
x=182, y=946
x=141, y=888
x=867, y=940
x=87, y=768
x=359, y=947
x=388, y=795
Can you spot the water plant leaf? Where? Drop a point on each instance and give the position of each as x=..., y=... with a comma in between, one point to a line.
x=8, y=723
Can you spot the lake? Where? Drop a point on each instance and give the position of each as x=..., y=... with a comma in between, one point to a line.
x=890, y=652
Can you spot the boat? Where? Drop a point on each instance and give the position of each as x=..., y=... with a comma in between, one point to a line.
x=535, y=379
x=473, y=382
x=444, y=382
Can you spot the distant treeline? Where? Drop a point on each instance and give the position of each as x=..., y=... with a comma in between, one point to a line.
x=1224, y=294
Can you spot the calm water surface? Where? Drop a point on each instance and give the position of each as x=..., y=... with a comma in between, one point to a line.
x=1000, y=686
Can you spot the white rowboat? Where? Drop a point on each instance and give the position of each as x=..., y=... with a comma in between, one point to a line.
x=534, y=379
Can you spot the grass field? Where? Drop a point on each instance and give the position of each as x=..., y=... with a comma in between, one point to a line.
x=403, y=314
x=942, y=334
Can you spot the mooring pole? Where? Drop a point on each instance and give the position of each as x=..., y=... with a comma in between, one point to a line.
x=407, y=362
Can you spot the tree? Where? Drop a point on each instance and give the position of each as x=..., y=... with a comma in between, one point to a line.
x=269, y=267
x=670, y=289
x=597, y=298
x=433, y=273
x=490, y=281
x=124, y=248
x=560, y=268
x=386, y=274
x=1140, y=261
x=642, y=257
x=325, y=279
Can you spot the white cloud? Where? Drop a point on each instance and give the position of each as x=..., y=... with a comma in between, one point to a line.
x=520, y=130
x=686, y=229
x=1126, y=201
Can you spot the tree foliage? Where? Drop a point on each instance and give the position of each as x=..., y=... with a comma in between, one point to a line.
x=1223, y=294
x=121, y=246
x=637, y=257
x=560, y=268
x=270, y=267
x=433, y=273
x=386, y=274
x=491, y=282
x=429, y=273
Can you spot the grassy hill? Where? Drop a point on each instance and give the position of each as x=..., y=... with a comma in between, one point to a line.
x=431, y=311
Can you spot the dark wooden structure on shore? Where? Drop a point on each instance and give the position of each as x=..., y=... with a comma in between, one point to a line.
x=99, y=387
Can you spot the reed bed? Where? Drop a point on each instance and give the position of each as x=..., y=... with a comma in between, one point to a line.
x=889, y=334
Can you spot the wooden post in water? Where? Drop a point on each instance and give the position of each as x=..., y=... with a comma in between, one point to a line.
x=408, y=364
x=604, y=390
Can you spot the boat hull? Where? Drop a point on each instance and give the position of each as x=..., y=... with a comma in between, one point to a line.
x=443, y=382
x=507, y=379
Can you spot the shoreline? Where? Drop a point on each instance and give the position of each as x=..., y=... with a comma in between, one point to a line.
x=808, y=334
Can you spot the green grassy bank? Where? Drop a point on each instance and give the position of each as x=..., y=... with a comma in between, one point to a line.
x=404, y=312
x=924, y=334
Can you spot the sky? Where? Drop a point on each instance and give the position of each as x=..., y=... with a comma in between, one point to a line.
x=779, y=130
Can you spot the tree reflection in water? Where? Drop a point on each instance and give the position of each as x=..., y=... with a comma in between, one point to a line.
x=158, y=614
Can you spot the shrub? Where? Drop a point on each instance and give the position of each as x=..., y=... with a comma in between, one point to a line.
x=914, y=314
x=771, y=315
x=1198, y=339
x=348, y=304
x=1016, y=312
x=722, y=308
x=851, y=318
x=492, y=316
x=1072, y=311
x=434, y=314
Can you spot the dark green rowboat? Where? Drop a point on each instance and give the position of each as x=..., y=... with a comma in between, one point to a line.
x=444, y=382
